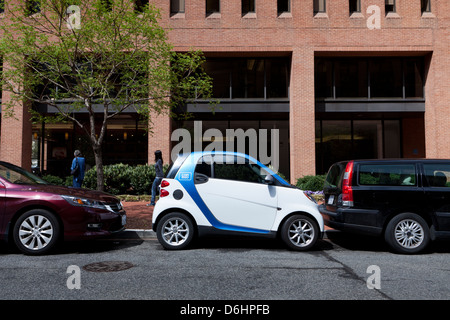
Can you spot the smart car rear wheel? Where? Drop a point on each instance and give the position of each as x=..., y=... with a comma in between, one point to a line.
x=300, y=232
x=407, y=233
x=36, y=232
x=175, y=231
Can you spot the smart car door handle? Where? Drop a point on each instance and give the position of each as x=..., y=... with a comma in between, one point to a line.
x=200, y=178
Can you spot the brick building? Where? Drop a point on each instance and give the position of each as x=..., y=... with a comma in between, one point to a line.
x=339, y=79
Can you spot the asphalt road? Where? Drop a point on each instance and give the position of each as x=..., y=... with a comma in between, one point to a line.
x=340, y=268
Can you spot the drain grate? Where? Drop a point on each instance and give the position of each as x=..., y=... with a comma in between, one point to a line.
x=108, y=266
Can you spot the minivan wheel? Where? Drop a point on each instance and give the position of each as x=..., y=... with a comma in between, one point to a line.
x=299, y=232
x=36, y=232
x=407, y=233
x=175, y=231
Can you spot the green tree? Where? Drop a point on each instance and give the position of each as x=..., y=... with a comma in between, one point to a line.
x=101, y=56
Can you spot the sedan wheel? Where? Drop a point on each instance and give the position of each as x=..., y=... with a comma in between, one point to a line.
x=407, y=233
x=36, y=232
x=175, y=231
x=300, y=232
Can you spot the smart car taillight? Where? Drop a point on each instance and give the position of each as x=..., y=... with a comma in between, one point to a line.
x=163, y=193
x=347, y=191
x=165, y=183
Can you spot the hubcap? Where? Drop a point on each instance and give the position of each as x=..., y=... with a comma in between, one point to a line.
x=35, y=232
x=175, y=231
x=409, y=234
x=301, y=232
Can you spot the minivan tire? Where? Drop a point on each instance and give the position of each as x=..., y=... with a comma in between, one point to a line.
x=407, y=233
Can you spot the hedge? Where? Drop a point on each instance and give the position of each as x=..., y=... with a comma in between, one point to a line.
x=311, y=183
x=118, y=179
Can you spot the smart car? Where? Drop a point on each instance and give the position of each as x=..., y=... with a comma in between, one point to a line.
x=35, y=215
x=230, y=193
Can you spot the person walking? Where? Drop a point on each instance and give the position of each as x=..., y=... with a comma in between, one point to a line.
x=77, y=169
x=159, y=175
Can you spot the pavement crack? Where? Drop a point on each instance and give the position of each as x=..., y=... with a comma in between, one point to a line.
x=351, y=274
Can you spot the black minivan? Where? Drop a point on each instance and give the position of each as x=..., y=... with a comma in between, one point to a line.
x=407, y=201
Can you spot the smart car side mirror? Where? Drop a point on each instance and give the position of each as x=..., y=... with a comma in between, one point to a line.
x=269, y=179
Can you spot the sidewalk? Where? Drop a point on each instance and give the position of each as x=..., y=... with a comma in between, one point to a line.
x=139, y=216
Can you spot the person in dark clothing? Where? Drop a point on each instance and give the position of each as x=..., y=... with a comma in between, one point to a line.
x=77, y=169
x=159, y=175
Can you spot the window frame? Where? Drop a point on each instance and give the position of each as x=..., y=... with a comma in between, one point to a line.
x=390, y=6
x=317, y=4
x=210, y=7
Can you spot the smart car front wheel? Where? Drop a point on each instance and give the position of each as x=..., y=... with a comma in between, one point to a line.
x=175, y=231
x=300, y=232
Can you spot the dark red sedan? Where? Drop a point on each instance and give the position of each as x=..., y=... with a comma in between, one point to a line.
x=36, y=215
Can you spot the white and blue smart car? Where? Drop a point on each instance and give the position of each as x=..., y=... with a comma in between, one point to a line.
x=230, y=193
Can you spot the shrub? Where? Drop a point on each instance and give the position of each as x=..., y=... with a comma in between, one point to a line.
x=53, y=179
x=311, y=183
x=123, y=179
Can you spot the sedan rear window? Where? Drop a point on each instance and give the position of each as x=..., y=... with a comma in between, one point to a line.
x=387, y=174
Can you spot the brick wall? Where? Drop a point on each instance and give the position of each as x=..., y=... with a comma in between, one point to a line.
x=303, y=36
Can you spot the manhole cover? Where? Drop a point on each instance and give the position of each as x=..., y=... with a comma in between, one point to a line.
x=108, y=266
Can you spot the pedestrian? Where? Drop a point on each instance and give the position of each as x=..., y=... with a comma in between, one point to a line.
x=77, y=169
x=159, y=175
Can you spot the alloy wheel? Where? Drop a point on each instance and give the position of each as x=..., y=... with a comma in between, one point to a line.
x=36, y=232
x=409, y=234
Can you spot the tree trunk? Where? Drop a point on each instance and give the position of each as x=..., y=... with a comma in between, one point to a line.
x=99, y=167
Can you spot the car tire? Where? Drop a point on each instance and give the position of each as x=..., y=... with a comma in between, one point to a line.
x=407, y=233
x=300, y=232
x=175, y=231
x=36, y=232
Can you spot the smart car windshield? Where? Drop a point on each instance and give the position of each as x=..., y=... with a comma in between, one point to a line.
x=17, y=175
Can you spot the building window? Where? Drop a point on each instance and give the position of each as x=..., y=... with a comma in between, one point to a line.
x=283, y=6
x=212, y=6
x=176, y=6
x=249, y=78
x=32, y=7
x=369, y=78
x=107, y=4
x=425, y=5
x=248, y=6
x=140, y=5
x=389, y=6
x=319, y=6
x=354, y=6
x=337, y=140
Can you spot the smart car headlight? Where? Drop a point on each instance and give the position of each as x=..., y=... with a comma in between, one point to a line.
x=84, y=202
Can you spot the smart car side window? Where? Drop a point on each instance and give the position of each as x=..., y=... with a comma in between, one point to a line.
x=203, y=167
x=238, y=169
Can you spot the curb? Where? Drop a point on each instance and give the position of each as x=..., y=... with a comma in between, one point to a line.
x=148, y=234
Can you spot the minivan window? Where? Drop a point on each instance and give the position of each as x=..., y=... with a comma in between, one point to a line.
x=387, y=174
x=437, y=175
